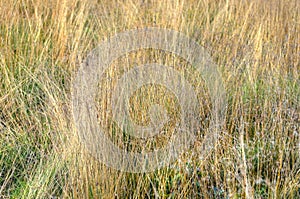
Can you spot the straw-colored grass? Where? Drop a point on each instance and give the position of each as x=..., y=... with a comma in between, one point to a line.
x=255, y=44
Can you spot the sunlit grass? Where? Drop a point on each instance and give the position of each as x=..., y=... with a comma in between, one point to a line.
x=255, y=45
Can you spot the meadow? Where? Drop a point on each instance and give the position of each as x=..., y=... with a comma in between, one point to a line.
x=254, y=43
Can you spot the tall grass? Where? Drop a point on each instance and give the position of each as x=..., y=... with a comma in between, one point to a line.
x=255, y=45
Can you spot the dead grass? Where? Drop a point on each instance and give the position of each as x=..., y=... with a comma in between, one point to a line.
x=256, y=46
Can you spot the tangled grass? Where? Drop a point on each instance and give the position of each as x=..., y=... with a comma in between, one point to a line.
x=255, y=45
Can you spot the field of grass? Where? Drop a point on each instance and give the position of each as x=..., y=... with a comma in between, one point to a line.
x=256, y=46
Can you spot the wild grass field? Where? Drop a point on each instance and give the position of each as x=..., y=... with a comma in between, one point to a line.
x=256, y=46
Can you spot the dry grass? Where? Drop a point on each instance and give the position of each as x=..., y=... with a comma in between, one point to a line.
x=255, y=44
